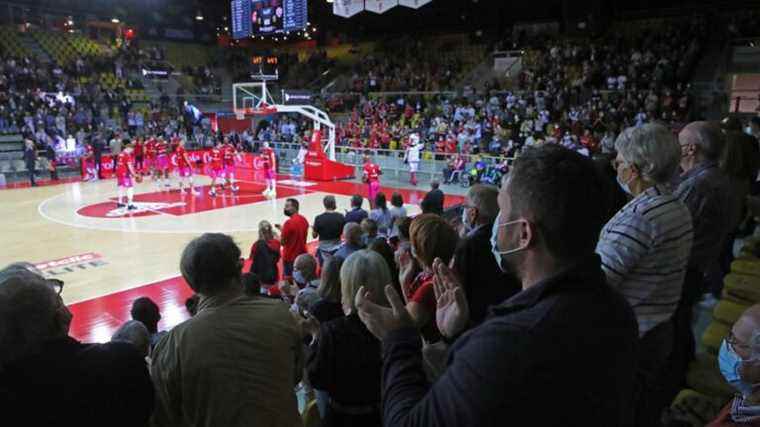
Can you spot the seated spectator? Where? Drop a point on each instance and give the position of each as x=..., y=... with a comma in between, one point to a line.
x=265, y=254
x=327, y=227
x=328, y=307
x=431, y=237
x=369, y=232
x=546, y=232
x=246, y=350
x=356, y=214
x=433, y=200
x=134, y=332
x=40, y=362
x=305, y=277
x=645, y=249
x=345, y=358
x=352, y=240
x=739, y=361
x=453, y=170
x=146, y=311
x=473, y=260
x=382, y=215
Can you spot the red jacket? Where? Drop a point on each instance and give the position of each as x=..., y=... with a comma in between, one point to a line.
x=294, y=233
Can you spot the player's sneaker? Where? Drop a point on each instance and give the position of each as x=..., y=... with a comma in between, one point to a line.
x=273, y=194
x=131, y=208
x=235, y=188
x=120, y=205
x=196, y=191
x=212, y=193
x=182, y=191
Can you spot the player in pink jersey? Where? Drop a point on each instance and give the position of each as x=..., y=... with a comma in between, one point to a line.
x=184, y=168
x=269, y=162
x=229, y=155
x=371, y=176
x=217, y=166
x=125, y=171
x=163, y=150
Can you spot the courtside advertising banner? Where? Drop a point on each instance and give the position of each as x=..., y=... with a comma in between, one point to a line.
x=380, y=6
x=347, y=8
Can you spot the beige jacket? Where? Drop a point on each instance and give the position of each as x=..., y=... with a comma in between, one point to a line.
x=234, y=364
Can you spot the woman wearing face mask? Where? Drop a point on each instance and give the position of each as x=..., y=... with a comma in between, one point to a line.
x=739, y=361
x=645, y=249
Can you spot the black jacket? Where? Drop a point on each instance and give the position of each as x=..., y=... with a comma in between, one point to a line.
x=73, y=384
x=560, y=353
x=483, y=281
x=30, y=157
x=433, y=202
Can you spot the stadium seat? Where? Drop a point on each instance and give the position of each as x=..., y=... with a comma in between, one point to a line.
x=310, y=414
x=714, y=335
x=750, y=266
x=728, y=312
x=741, y=288
x=705, y=377
x=694, y=408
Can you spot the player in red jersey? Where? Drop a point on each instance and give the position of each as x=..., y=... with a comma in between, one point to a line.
x=149, y=162
x=139, y=155
x=185, y=168
x=217, y=166
x=162, y=161
x=371, y=176
x=125, y=171
x=270, y=170
x=88, y=162
x=229, y=154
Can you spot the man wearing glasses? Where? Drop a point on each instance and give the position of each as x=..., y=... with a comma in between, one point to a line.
x=91, y=384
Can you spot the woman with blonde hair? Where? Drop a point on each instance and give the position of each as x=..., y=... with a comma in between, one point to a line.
x=265, y=254
x=345, y=358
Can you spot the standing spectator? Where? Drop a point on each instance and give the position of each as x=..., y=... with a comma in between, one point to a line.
x=98, y=147
x=30, y=160
x=50, y=155
x=237, y=360
x=294, y=233
x=134, y=333
x=433, y=201
x=397, y=206
x=706, y=192
x=473, y=260
x=645, y=249
x=381, y=214
x=327, y=227
x=345, y=358
x=546, y=232
x=146, y=311
x=305, y=277
x=115, y=144
x=265, y=254
x=41, y=362
x=356, y=214
x=352, y=240
x=328, y=306
x=369, y=232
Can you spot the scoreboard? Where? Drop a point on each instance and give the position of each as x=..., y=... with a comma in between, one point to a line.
x=265, y=17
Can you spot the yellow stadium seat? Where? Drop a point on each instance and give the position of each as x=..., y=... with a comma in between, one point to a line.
x=741, y=288
x=704, y=376
x=714, y=335
x=749, y=266
x=728, y=312
x=427, y=155
x=694, y=408
x=310, y=416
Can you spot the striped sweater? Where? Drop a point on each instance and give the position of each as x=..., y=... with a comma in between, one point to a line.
x=645, y=250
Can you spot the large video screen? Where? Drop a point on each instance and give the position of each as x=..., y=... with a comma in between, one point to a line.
x=265, y=17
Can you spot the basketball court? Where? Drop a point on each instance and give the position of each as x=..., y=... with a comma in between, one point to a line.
x=107, y=256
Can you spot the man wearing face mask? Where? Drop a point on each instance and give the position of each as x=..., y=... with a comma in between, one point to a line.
x=645, y=248
x=40, y=362
x=560, y=352
x=482, y=279
x=739, y=361
x=294, y=233
x=305, y=276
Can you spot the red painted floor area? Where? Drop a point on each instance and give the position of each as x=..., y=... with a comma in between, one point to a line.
x=95, y=320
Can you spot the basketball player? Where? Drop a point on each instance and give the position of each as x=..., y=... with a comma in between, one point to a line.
x=217, y=166
x=412, y=157
x=270, y=170
x=162, y=162
x=139, y=154
x=185, y=169
x=88, y=160
x=371, y=176
x=125, y=170
x=150, y=158
x=229, y=154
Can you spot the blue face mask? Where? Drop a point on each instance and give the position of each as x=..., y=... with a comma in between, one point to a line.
x=729, y=363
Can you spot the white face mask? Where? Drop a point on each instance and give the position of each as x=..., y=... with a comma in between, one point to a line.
x=466, y=224
x=497, y=253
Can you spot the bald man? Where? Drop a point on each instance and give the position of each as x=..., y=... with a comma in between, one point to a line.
x=352, y=240
x=739, y=362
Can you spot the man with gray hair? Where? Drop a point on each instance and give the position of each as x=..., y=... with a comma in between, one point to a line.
x=706, y=191
x=645, y=249
x=39, y=362
x=237, y=360
x=352, y=240
x=484, y=282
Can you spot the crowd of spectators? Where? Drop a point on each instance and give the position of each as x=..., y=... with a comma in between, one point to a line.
x=416, y=321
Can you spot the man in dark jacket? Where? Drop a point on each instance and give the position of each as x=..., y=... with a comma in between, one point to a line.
x=80, y=384
x=433, y=201
x=30, y=159
x=560, y=352
x=483, y=281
